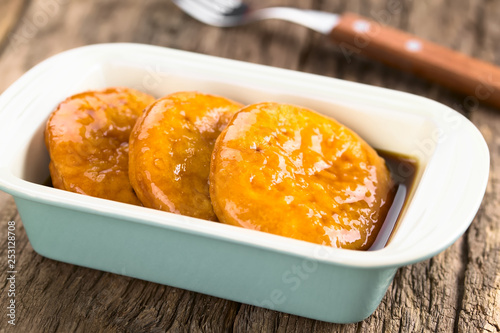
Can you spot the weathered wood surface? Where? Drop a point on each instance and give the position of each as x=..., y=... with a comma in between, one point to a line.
x=457, y=290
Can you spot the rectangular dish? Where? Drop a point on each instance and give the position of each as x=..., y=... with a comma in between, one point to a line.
x=274, y=272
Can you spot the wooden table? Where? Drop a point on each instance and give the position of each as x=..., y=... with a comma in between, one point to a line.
x=457, y=290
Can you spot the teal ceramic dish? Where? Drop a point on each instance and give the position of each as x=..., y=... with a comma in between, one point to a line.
x=248, y=266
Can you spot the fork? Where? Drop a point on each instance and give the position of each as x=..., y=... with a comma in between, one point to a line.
x=355, y=34
x=230, y=13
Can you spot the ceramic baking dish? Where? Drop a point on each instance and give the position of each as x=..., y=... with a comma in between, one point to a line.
x=288, y=275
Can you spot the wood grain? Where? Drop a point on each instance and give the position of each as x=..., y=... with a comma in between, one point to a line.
x=457, y=290
x=11, y=15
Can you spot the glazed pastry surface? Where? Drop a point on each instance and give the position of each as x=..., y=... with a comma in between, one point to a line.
x=290, y=171
x=170, y=151
x=87, y=139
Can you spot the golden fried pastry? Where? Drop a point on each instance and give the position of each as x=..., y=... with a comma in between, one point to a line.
x=292, y=172
x=87, y=139
x=170, y=150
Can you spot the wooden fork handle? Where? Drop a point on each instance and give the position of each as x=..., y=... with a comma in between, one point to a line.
x=479, y=80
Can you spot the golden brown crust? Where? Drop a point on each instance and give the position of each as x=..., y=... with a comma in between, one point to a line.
x=289, y=171
x=170, y=151
x=87, y=139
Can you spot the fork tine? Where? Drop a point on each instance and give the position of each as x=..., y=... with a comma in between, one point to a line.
x=198, y=11
x=221, y=13
x=221, y=6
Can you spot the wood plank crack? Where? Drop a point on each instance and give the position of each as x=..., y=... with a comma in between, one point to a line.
x=12, y=11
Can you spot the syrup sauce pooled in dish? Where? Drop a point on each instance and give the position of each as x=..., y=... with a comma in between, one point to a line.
x=404, y=173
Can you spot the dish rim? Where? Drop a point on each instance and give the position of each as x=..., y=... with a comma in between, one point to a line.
x=361, y=259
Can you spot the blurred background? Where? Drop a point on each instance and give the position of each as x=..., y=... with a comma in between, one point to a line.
x=458, y=290
x=32, y=30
